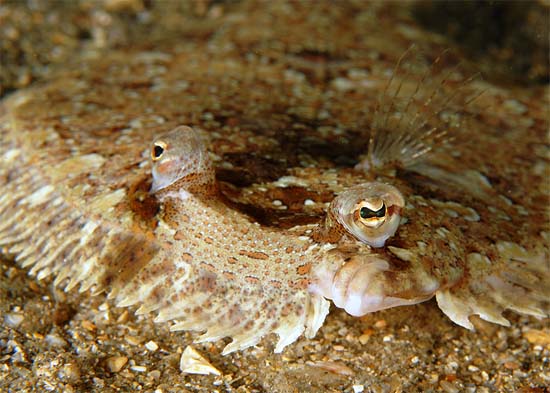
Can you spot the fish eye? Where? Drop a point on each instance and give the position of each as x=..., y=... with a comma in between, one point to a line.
x=158, y=151
x=367, y=213
x=370, y=213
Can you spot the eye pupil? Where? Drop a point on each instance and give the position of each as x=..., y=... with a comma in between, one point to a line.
x=157, y=151
x=365, y=212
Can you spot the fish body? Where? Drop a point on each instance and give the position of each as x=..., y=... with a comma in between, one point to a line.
x=85, y=203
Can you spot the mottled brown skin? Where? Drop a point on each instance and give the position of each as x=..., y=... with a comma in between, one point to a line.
x=217, y=270
x=75, y=159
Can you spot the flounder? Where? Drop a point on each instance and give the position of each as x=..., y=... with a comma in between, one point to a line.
x=441, y=203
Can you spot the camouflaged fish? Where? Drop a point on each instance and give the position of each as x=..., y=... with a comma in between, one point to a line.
x=436, y=206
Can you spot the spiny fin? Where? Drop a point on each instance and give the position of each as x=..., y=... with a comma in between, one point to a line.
x=415, y=113
x=519, y=282
x=51, y=237
x=200, y=300
x=53, y=234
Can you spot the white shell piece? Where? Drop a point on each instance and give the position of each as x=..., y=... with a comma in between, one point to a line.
x=192, y=362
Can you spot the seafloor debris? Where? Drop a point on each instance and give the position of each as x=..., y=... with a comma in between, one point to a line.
x=192, y=362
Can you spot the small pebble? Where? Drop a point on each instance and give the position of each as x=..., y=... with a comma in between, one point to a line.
x=343, y=84
x=139, y=369
x=540, y=337
x=133, y=340
x=364, y=338
x=62, y=314
x=70, y=373
x=448, y=387
x=151, y=346
x=511, y=365
x=13, y=319
x=115, y=363
x=98, y=382
x=53, y=340
x=380, y=324
x=333, y=367
x=453, y=365
x=358, y=388
x=123, y=317
x=515, y=106
x=88, y=326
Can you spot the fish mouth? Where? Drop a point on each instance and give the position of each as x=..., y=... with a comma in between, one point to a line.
x=358, y=286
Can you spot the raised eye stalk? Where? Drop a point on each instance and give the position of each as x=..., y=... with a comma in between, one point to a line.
x=369, y=212
x=180, y=161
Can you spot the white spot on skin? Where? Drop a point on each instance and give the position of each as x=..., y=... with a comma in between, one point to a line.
x=105, y=203
x=510, y=251
x=136, y=123
x=451, y=213
x=471, y=215
x=180, y=194
x=455, y=210
x=478, y=261
x=505, y=200
x=343, y=84
x=401, y=253
x=453, y=247
x=287, y=181
x=421, y=246
x=87, y=230
x=78, y=165
x=11, y=155
x=521, y=210
x=420, y=202
x=482, y=178
x=514, y=106
x=39, y=196
x=498, y=213
x=442, y=232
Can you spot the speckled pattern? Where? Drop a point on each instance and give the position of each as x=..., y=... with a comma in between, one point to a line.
x=286, y=113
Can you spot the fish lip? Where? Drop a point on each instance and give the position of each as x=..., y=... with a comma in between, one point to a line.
x=353, y=284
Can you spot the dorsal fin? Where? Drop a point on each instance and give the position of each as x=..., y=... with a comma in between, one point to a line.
x=415, y=113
